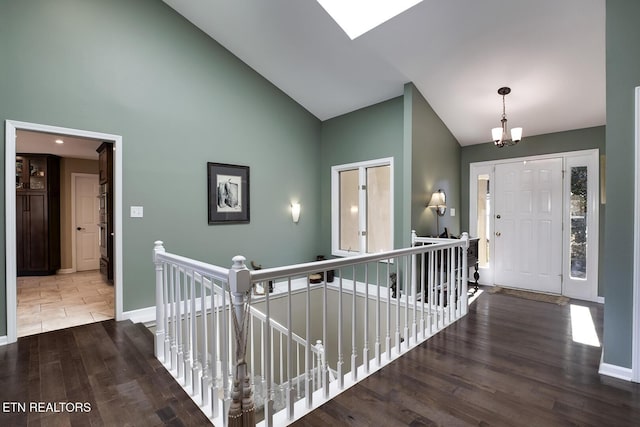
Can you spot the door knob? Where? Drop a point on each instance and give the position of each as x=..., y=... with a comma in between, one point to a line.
x=498, y=233
x=79, y=228
x=498, y=216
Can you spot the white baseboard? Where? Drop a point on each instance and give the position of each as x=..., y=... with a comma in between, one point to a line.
x=65, y=271
x=600, y=300
x=142, y=315
x=4, y=340
x=615, y=371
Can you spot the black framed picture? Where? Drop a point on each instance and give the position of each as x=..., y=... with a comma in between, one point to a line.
x=228, y=191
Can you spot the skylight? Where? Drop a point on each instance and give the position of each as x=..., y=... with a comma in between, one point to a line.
x=356, y=17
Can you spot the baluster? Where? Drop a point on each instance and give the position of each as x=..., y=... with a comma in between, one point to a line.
x=263, y=359
x=452, y=282
x=253, y=349
x=179, y=325
x=205, y=379
x=224, y=349
x=398, y=299
x=405, y=278
x=299, y=374
x=389, y=301
x=433, y=290
x=268, y=355
x=167, y=313
x=354, y=348
x=414, y=293
x=340, y=364
x=378, y=329
x=160, y=301
x=324, y=368
x=281, y=361
x=319, y=364
x=430, y=300
x=441, y=288
x=290, y=389
x=450, y=290
x=195, y=340
x=307, y=350
x=186, y=324
x=458, y=252
x=365, y=348
x=174, y=319
x=423, y=294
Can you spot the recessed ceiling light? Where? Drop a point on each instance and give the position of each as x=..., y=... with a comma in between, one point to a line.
x=356, y=17
x=59, y=141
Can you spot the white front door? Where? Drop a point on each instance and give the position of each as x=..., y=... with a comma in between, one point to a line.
x=528, y=225
x=87, y=219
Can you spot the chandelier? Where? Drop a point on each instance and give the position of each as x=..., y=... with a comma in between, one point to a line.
x=499, y=134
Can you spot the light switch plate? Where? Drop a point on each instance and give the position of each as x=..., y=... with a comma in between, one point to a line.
x=136, y=212
x=453, y=211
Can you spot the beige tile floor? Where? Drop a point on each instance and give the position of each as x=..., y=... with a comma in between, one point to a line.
x=47, y=303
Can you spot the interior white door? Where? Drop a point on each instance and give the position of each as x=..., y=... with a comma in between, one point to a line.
x=86, y=226
x=528, y=225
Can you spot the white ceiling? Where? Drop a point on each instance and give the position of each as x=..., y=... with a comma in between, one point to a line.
x=44, y=143
x=457, y=53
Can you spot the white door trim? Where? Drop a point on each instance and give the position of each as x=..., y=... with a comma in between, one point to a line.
x=11, y=126
x=635, y=340
x=75, y=175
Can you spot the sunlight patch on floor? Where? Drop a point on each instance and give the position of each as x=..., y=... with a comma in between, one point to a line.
x=475, y=296
x=582, y=327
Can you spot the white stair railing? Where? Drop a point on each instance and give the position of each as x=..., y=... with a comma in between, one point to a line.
x=377, y=307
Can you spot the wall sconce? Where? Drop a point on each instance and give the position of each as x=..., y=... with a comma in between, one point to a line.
x=439, y=202
x=295, y=212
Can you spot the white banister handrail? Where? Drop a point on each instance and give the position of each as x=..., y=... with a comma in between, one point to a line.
x=302, y=269
x=214, y=271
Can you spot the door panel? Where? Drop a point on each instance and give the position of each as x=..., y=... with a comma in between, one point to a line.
x=528, y=225
x=87, y=219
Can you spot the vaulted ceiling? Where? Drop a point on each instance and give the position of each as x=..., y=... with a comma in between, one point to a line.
x=456, y=52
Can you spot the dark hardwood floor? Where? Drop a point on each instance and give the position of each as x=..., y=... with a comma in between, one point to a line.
x=510, y=362
x=101, y=374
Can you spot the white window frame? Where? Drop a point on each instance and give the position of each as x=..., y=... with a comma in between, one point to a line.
x=362, y=202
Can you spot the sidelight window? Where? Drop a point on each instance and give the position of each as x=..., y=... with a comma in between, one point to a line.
x=578, y=222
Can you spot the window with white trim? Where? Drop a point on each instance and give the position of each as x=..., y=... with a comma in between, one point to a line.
x=362, y=207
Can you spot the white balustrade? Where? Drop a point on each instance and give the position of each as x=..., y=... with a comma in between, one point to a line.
x=378, y=307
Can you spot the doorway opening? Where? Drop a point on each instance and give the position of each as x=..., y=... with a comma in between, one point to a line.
x=12, y=130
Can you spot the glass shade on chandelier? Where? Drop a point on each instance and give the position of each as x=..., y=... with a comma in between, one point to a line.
x=500, y=135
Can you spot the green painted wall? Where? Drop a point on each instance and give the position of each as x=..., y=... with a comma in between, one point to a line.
x=623, y=75
x=371, y=133
x=559, y=142
x=435, y=164
x=426, y=157
x=138, y=69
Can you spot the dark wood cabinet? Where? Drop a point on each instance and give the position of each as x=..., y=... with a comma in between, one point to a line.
x=105, y=164
x=37, y=214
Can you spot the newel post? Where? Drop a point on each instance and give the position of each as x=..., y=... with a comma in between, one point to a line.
x=242, y=409
x=160, y=303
